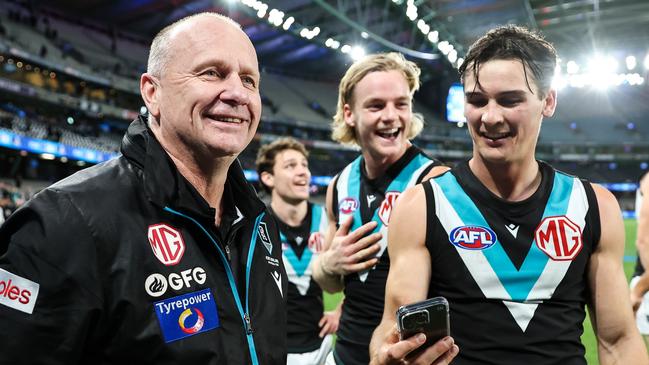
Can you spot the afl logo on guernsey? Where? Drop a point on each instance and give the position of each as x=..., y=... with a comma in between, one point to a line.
x=472, y=237
x=348, y=205
x=559, y=237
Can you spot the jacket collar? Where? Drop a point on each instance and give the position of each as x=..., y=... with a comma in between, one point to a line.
x=165, y=186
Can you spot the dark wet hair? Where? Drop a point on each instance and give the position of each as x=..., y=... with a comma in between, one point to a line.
x=511, y=42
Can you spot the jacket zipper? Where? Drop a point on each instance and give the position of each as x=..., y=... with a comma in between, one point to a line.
x=245, y=316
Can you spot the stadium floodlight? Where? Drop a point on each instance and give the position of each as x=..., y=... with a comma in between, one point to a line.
x=460, y=61
x=364, y=35
x=433, y=36
x=423, y=27
x=572, y=67
x=452, y=56
x=601, y=65
x=559, y=82
x=262, y=10
x=444, y=47
x=646, y=62
x=345, y=48
x=630, y=62
x=288, y=22
x=356, y=53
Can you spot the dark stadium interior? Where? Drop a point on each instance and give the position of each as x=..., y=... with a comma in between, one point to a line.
x=69, y=74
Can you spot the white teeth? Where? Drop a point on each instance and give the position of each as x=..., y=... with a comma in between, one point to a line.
x=389, y=131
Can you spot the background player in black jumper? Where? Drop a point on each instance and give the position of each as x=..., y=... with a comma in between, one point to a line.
x=516, y=247
x=283, y=170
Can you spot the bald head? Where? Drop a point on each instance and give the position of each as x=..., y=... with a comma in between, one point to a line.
x=163, y=42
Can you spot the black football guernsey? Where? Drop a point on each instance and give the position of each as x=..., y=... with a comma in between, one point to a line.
x=514, y=273
x=300, y=248
x=368, y=200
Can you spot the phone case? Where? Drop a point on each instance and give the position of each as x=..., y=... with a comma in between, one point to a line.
x=430, y=317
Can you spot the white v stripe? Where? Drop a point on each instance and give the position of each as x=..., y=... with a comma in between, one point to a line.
x=383, y=242
x=302, y=282
x=484, y=274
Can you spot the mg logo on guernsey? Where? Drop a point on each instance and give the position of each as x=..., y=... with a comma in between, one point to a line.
x=472, y=237
x=559, y=237
x=315, y=242
x=385, y=210
x=348, y=205
x=167, y=243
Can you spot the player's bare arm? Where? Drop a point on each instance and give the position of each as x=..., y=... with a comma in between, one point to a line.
x=407, y=282
x=344, y=252
x=618, y=339
x=642, y=245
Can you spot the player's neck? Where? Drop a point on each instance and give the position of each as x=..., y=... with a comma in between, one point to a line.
x=376, y=164
x=508, y=181
x=290, y=213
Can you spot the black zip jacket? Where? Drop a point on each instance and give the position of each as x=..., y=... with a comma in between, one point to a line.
x=121, y=263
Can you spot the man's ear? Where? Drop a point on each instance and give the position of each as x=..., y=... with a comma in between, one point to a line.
x=348, y=116
x=267, y=179
x=550, y=103
x=149, y=88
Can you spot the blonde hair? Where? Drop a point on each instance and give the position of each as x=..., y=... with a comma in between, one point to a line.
x=343, y=133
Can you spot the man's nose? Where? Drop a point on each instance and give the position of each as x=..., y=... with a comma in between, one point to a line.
x=234, y=91
x=492, y=114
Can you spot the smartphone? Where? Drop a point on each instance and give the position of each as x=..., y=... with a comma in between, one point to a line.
x=429, y=317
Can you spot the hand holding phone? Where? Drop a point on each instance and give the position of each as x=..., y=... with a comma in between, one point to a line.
x=430, y=317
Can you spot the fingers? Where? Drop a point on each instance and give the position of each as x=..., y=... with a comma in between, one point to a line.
x=399, y=350
x=362, y=266
x=365, y=248
x=345, y=226
x=440, y=353
x=448, y=356
x=361, y=231
x=324, y=330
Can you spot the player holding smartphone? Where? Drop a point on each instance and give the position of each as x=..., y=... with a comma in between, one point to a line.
x=516, y=247
x=429, y=317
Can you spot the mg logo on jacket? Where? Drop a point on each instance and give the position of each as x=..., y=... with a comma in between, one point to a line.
x=559, y=238
x=167, y=243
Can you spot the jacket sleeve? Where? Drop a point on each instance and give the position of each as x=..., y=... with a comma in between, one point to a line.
x=48, y=297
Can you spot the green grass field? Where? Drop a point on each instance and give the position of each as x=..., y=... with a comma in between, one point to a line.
x=588, y=338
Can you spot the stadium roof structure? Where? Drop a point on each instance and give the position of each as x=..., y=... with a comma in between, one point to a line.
x=575, y=26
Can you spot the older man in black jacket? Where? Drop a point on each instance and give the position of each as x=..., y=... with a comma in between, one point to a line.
x=164, y=255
